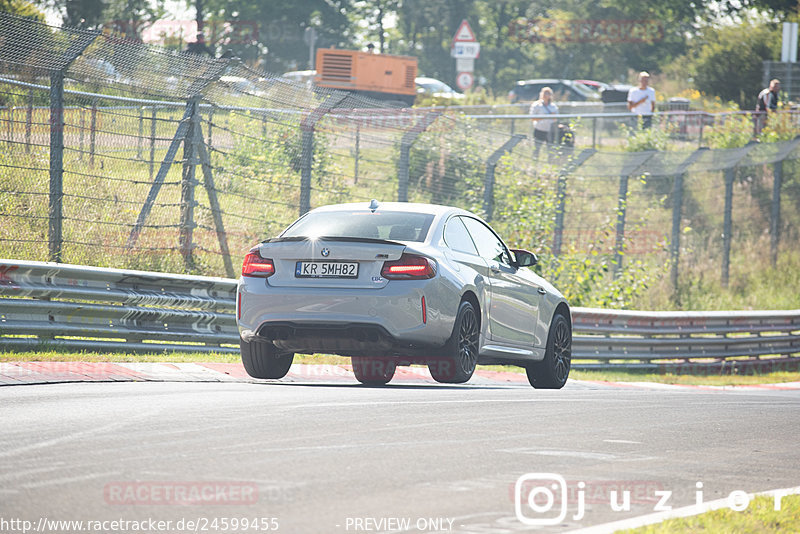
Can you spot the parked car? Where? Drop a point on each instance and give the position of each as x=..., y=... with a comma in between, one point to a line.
x=593, y=85
x=615, y=94
x=305, y=77
x=436, y=88
x=563, y=90
x=238, y=85
x=391, y=284
x=100, y=69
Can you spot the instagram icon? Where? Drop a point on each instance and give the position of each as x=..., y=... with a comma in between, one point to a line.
x=535, y=495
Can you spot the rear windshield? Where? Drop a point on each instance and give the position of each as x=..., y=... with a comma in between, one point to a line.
x=391, y=225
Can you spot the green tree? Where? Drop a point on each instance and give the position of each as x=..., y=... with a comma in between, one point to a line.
x=130, y=17
x=77, y=13
x=728, y=62
x=21, y=8
x=279, y=44
x=373, y=14
x=427, y=27
x=508, y=53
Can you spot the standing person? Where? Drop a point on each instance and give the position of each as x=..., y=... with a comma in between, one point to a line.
x=642, y=100
x=544, y=129
x=768, y=100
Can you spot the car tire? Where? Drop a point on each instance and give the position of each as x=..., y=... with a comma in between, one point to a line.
x=262, y=360
x=373, y=371
x=461, y=351
x=553, y=370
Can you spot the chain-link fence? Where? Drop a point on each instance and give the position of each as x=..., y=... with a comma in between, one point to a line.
x=121, y=154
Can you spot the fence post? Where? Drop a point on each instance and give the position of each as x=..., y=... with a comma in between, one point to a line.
x=677, y=205
x=632, y=167
x=141, y=133
x=727, y=225
x=211, y=190
x=158, y=181
x=188, y=182
x=619, y=243
x=28, y=122
x=210, y=127
x=307, y=126
x=81, y=134
x=700, y=135
x=358, y=153
x=675, y=245
x=775, y=216
x=730, y=173
x=777, y=182
x=152, y=141
x=92, y=133
x=55, y=235
x=405, y=152
x=11, y=125
x=561, y=196
x=491, y=165
x=215, y=70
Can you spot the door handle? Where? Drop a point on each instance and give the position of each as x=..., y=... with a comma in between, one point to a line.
x=541, y=291
x=495, y=268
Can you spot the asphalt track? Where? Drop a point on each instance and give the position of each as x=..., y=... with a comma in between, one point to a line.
x=329, y=455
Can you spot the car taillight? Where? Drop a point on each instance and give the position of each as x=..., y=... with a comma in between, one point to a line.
x=408, y=267
x=256, y=266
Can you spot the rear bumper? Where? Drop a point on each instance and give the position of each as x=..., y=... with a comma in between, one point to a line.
x=385, y=321
x=347, y=339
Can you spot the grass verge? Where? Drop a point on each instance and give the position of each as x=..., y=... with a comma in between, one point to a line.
x=759, y=517
x=704, y=379
x=201, y=357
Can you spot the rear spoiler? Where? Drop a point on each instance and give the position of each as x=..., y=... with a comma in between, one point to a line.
x=332, y=238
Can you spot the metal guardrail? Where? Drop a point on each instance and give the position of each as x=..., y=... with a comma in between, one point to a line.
x=49, y=305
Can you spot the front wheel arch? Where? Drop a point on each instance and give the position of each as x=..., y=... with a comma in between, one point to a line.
x=563, y=309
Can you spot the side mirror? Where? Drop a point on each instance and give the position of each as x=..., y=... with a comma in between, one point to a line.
x=525, y=258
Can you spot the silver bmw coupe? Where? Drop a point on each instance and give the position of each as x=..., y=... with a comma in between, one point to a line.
x=391, y=284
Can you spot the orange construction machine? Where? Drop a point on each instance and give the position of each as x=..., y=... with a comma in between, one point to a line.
x=378, y=76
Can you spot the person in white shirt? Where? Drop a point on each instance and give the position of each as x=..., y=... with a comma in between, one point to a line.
x=642, y=100
x=544, y=130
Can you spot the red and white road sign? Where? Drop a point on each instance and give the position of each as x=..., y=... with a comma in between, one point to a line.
x=464, y=80
x=464, y=34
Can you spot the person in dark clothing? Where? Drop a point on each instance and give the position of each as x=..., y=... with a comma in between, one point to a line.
x=768, y=100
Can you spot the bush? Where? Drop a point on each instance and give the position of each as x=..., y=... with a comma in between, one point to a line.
x=729, y=61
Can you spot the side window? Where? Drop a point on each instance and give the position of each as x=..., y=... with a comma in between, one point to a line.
x=489, y=245
x=457, y=237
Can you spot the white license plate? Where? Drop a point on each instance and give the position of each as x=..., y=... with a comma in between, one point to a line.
x=326, y=269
